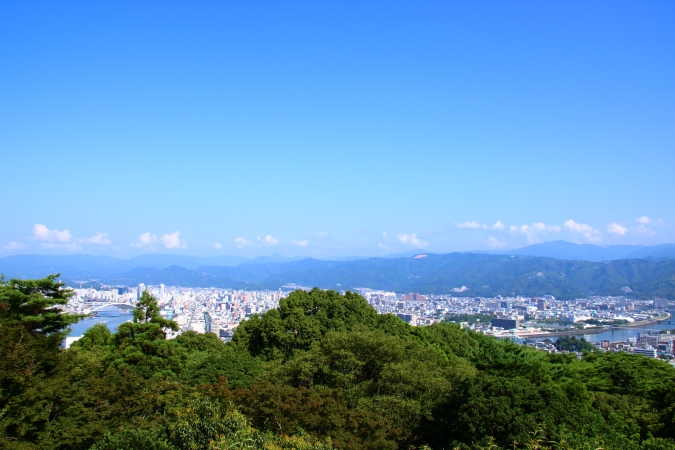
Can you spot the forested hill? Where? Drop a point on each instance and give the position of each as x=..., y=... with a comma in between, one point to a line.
x=481, y=274
x=323, y=371
x=442, y=274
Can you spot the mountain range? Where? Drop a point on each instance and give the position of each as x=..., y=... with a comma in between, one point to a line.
x=590, y=252
x=528, y=271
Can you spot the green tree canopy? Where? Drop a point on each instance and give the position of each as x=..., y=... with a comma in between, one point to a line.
x=34, y=304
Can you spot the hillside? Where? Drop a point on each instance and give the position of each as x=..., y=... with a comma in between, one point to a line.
x=484, y=275
x=593, y=253
x=323, y=371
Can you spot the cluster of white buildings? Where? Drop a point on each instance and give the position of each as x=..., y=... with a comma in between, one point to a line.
x=196, y=309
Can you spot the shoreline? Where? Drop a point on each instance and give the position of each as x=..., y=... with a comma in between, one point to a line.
x=639, y=324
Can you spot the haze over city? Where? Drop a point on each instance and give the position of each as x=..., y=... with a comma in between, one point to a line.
x=334, y=130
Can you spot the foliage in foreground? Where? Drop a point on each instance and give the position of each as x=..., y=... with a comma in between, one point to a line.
x=322, y=371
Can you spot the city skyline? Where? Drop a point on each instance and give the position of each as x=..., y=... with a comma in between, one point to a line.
x=335, y=130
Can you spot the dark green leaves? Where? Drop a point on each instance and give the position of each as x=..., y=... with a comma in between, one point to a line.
x=35, y=305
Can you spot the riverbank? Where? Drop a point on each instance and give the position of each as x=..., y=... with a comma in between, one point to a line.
x=112, y=318
x=640, y=324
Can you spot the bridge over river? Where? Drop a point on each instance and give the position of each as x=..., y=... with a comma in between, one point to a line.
x=97, y=306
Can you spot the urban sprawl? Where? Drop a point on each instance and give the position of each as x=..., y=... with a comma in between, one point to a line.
x=534, y=321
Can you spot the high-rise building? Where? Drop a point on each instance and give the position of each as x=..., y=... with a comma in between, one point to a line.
x=207, y=322
x=141, y=288
x=161, y=292
x=412, y=297
x=507, y=324
x=660, y=303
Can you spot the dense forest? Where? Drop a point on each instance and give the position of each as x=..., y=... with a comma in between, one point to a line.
x=322, y=371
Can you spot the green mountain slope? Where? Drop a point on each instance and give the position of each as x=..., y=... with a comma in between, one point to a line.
x=495, y=275
x=483, y=275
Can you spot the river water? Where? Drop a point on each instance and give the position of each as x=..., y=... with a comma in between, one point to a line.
x=621, y=334
x=112, y=317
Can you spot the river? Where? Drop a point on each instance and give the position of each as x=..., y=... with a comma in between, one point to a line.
x=112, y=317
x=621, y=334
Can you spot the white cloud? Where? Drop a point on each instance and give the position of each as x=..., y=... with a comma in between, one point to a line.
x=42, y=233
x=590, y=233
x=321, y=234
x=384, y=234
x=471, y=225
x=145, y=240
x=173, y=240
x=498, y=225
x=268, y=240
x=533, y=232
x=641, y=229
x=300, y=243
x=493, y=242
x=14, y=246
x=412, y=239
x=383, y=247
x=617, y=229
x=63, y=239
x=98, y=239
x=217, y=245
x=242, y=242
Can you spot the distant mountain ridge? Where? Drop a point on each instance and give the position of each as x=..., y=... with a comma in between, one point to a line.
x=526, y=271
x=89, y=267
x=590, y=252
x=481, y=275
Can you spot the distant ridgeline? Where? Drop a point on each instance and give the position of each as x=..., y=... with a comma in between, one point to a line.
x=322, y=371
x=482, y=274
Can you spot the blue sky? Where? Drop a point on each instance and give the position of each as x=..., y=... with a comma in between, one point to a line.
x=352, y=128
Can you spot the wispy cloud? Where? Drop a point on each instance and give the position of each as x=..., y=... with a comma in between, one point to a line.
x=268, y=240
x=98, y=239
x=590, y=233
x=321, y=234
x=643, y=220
x=644, y=230
x=63, y=246
x=242, y=242
x=302, y=243
x=14, y=246
x=473, y=225
x=495, y=243
x=412, y=239
x=217, y=245
x=616, y=228
x=535, y=231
